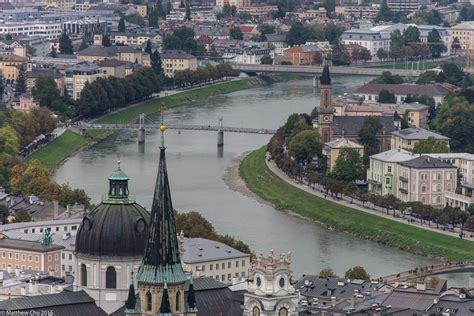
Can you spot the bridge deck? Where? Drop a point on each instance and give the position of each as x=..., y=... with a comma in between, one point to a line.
x=134, y=126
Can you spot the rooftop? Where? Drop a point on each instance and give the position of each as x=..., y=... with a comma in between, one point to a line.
x=176, y=54
x=434, y=89
x=394, y=155
x=416, y=133
x=343, y=143
x=425, y=162
x=28, y=245
x=464, y=25
x=202, y=250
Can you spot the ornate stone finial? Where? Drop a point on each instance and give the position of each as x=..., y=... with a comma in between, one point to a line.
x=119, y=160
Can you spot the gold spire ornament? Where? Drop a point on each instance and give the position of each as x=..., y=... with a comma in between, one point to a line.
x=119, y=156
x=162, y=126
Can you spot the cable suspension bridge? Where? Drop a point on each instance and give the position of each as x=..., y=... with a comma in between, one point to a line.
x=145, y=123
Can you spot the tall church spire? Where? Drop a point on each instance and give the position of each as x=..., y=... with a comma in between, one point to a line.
x=325, y=88
x=161, y=262
x=325, y=77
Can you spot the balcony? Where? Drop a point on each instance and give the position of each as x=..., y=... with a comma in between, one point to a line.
x=403, y=179
x=458, y=200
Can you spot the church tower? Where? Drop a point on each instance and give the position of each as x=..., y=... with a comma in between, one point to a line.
x=325, y=87
x=161, y=278
x=326, y=111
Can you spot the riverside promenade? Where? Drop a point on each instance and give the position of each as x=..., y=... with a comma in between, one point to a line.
x=348, y=202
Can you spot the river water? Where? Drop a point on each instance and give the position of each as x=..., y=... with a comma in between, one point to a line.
x=196, y=176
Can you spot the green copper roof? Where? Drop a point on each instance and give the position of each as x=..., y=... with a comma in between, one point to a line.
x=118, y=175
x=171, y=274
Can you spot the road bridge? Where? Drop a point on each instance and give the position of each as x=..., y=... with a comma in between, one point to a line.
x=313, y=70
x=145, y=123
x=422, y=272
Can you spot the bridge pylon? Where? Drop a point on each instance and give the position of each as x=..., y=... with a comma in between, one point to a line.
x=141, y=128
x=220, y=133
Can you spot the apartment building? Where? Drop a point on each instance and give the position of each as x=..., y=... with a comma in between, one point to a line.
x=382, y=175
x=258, y=10
x=333, y=149
x=359, y=11
x=237, y=3
x=51, y=30
x=30, y=255
x=96, y=53
x=403, y=5
x=465, y=164
x=408, y=137
x=425, y=179
x=203, y=257
x=464, y=32
x=371, y=40
x=177, y=60
x=320, y=13
x=60, y=4
x=134, y=39
x=78, y=75
x=10, y=67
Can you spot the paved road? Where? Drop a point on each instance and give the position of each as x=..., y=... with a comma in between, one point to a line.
x=347, y=202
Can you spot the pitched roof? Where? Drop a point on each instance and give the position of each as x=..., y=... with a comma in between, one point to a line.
x=111, y=63
x=96, y=50
x=176, y=54
x=343, y=143
x=325, y=77
x=417, y=133
x=425, y=162
x=394, y=155
x=434, y=89
x=200, y=250
x=350, y=125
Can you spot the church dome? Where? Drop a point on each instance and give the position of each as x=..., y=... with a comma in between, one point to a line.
x=117, y=227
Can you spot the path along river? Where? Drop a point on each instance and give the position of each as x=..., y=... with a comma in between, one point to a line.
x=196, y=176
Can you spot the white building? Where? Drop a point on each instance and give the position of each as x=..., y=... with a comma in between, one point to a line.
x=51, y=30
x=372, y=40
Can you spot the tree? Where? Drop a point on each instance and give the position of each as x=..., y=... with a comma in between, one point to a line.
x=327, y=273
x=106, y=41
x=121, y=25
x=305, y=146
x=182, y=38
x=368, y=136
x=428, y=77
x=65, y=44
x=84, y=44
x=388, y=78
x=266, y=59
x=266, y=29
x=348, y=166
x=156, y=63
x=236, y=33
x=153, y=14
x=340, y=55
x=46, y=91
x=22, y=216
x=2, y=87
x=32, y=179
x=21, y=82
x=148, y=48
x=358, y=273
x=53, y=53
x=385, y=14
x=382, y=54
x=297, y=34
x=386, y=96
x=411, y=35
x=453, y=74
x=188, y=12
x=435, y=44
x=333, y=33
x=8, y=37
x=430, y=145
x=318, y=58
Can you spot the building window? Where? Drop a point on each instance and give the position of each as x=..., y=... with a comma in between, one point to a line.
x=83, y=275
x=50, y=258
x=23, y=257
x=223, y=265
x=423, y=188
x=229, y=264
x=110, y=278
x=148, y=301
x=223, y=277
x=229, y=277
x=243, y=263
x=217, y=266
x=30, y=258
x=236, y=264
x=63, y=256
x=283, y=312
x=178, y=300
x=211, y=266
x=56, y=257
x=17, y=256
x=389, y=168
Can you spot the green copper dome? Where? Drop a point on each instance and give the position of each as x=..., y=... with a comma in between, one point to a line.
x=118, y=175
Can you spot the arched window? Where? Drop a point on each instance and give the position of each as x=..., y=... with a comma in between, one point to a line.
x=438, y=187
x=255, y=311
x=178, y=300
x=148, y=301
x=423, y=188
x=110, y=278
x=83, y=275
x=283, y=311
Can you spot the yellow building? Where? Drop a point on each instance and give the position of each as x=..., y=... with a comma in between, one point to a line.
x=10, y=67
x=96, y=53
x=177, y=60
x=408, y=137
x=237, y=3
x=333, y=148
x=465, y=34
x=142, y=10
x=60, y=4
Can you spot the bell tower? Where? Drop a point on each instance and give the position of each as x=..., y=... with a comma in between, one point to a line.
x=325, y=88
x=271, y=292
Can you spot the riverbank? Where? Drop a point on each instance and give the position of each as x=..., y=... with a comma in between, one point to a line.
x=282, y=195
x=67, y=144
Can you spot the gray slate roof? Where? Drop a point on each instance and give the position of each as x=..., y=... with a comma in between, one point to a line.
x=176, y=54
x=425, y=162
x=352, y=124
x=435, y=89
x=203, y=250
x=414, y=133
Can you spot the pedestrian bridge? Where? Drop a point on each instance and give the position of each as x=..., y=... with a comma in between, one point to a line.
x=145, y=123
x=313, y=70
x=421, y=272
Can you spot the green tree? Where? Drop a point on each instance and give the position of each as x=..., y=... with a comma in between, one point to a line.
x=156, y=63
x=368, y=136
x=46, y=91
x=382, y=54
x=153, y=14
x=188, y=12
x=106, y=41
x=340, y=55
x=358, y=273
x=21, y=82
x=2, y=87
x=8, y=37
x=385, y=14
x=121, y=25
x=386, y=96
x=65, y=44
x=327, y=273
x=430, y=145
x=182, y=38
x=236, y=33
x=453, y=74
x=84, y=44
x=266, y=59
x=427, y=77
x=435, y=44
x=348, y=166
x=22, y=216
x=388, y=78
x=148, y=48
x=135, y=19
x=305, y=146
x=411, y=35
x=333, y=33
x=266, y=29
x=297, y=34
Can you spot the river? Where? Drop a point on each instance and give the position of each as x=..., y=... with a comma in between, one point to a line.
x=196, y=177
